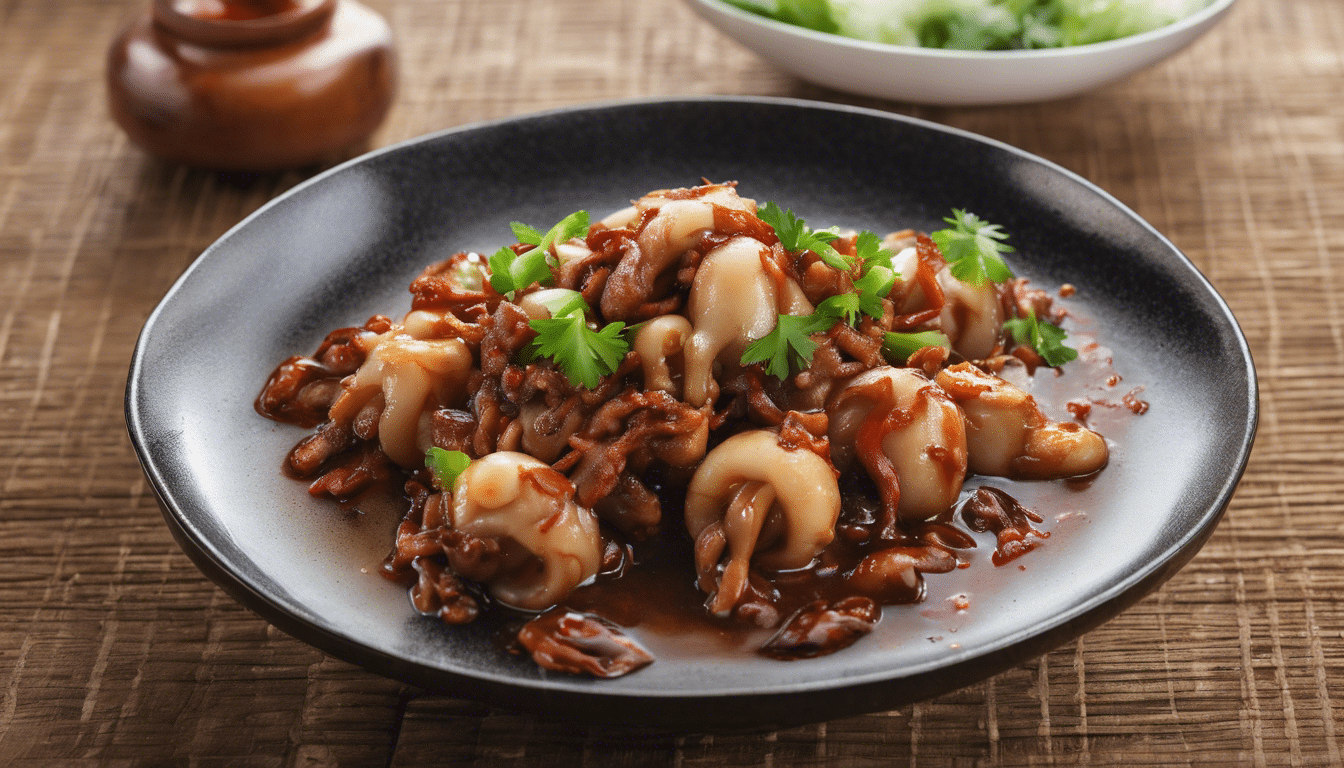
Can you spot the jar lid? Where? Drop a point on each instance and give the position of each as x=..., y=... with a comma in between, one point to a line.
x=241, y=24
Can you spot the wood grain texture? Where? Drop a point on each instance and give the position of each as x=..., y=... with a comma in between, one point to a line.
x=114, y=650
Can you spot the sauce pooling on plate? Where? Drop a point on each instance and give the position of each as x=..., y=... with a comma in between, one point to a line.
x=699, y=413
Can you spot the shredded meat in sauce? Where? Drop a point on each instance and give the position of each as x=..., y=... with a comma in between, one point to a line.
x=807, y=502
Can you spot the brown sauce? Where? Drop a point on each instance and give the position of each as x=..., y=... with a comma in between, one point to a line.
x=945, y=565
x=653, y=593
x=659, y=601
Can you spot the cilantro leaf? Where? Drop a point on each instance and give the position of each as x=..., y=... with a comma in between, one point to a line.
x=511, y=272
x=842, y=306
x=525, y=234
x=874, y=286
x=446, y=465
x=787, y=348
x=560, y=302
x=789, y=228
x=972, y=247
x=795, y=236
x=1044, y=337
x=900, y=346
x=568, y=228
x=870, y=251
x=581, y=353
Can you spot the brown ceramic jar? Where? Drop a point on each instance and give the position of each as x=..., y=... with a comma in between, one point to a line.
x=252, y=85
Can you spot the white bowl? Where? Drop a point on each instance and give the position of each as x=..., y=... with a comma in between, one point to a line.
x=938, y=76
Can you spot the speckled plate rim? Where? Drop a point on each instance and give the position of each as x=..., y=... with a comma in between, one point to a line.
x=558, y=696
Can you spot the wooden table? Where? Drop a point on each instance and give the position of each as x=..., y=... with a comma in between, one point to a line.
x=115, y=650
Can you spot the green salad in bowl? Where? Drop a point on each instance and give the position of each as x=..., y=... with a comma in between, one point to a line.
x=978, y=25
x=967, y=52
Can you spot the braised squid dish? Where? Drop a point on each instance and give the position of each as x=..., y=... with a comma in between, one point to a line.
x=792, y=412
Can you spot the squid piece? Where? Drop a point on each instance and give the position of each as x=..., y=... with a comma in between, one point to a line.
x=572, y=251
x=894, y=575
x=548, y=444
x=548, y=543
x=1009, y=436
x=622, y=218
x=656, y=341
x=907, y=433
x=906, y=291
x=438, y=324
x=970, y=315
x=733, y=302
x=821, y=628
x=536, y=305
x=397, y=388
x=571, y=642
x=917, y=294
x=761, y=502
x=672, y=231
x=720, y=194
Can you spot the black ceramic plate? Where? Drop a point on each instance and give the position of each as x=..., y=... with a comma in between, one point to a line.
x=345, y=245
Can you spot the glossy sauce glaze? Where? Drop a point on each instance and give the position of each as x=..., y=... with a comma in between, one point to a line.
x=988, y=535
x=649, y=590
x=645, y=603
x=757, y=510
